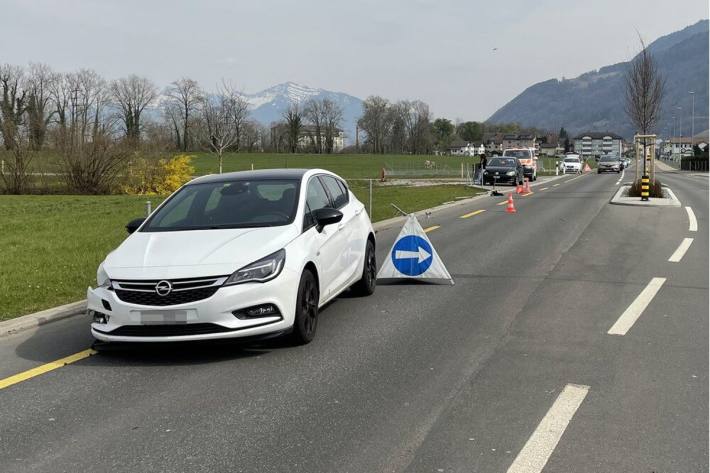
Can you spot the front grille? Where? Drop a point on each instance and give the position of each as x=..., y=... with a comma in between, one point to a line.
x=168, y=330
x=184, y=291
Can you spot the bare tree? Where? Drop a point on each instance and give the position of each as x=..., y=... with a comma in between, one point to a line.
x=15, y=174
x=332, y=120
x=218, y=114
x=313, y=113
x=375, y=122
x=644, y=93
x=184, y=98
x=294, y=125
x=398, y=116
x=133, y=94
x=12, y=103
x=418, y=127
x=84, y=133
x=239, y=112
x=39, y=84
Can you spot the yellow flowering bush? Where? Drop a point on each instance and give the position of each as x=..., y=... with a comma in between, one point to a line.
x=161, y=177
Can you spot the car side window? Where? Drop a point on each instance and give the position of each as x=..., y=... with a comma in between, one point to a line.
x=340, y=198
x=316, y=198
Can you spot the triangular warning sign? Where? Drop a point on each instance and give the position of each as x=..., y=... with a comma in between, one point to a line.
x=413, y=256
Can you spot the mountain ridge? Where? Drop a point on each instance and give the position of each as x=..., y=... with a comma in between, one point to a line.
x=593, y=101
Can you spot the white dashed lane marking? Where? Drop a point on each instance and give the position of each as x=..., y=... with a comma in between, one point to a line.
x=680, y=252
x=692, y=221
x=537, y=450
x=634, y=311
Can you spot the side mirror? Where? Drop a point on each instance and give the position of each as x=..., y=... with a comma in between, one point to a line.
x=324, y=217
x=134, y=224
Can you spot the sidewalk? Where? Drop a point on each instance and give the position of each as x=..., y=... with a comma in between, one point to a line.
x=661, y=166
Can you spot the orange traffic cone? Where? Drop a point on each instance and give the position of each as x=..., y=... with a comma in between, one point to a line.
x=510, y=208
x=527, y=186
x=519, y=189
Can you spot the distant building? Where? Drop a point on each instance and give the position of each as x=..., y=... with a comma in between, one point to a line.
x=550, y=149
x=677, y=144
x=461, y=148
x=307, y=138
x=520, y=141
x=593, y=143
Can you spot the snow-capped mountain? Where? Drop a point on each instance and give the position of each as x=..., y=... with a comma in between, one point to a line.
x=269, y=105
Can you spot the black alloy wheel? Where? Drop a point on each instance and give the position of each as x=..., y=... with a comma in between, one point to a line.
x=306, y=321
x=367, y=283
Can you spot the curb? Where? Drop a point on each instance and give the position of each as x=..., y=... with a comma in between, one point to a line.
x=672, y=202
x=30, y=321
x=36, y=319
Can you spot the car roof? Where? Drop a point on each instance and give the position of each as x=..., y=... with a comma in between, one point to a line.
x=260, y=174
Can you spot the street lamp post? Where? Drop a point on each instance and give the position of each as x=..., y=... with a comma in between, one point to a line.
x=680, y=128
x=692, y=119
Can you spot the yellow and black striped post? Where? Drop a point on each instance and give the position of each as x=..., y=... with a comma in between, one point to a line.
x=645, y=187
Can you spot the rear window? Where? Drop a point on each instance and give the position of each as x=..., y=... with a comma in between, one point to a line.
x=503, y=162
x=518, y=153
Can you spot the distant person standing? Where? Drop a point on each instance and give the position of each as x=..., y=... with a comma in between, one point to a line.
x=483, y=161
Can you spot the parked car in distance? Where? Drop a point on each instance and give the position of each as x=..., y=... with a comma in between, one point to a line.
x=609, y=163
x=502, y=170
x=571, y=164
x=245, y=254
x=527, y=158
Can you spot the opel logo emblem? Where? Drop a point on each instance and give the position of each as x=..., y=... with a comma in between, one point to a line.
x=163, y=288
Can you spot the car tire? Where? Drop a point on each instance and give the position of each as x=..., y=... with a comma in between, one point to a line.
x=598, y=171
x=306, y=321
x=367, y=283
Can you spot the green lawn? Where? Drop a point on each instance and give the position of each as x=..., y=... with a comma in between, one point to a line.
x=349, y=166
x=52, y=244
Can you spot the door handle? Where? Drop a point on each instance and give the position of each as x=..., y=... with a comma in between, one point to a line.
x=341, y=226
x=359, y=211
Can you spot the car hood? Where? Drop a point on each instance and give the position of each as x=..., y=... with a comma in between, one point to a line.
x=150, y=255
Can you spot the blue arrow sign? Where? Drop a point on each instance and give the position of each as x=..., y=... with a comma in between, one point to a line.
x=412, y=255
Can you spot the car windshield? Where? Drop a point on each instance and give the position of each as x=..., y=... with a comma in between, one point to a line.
x=517, y=153
x=503, y=162
x=609, y=159
x=233, y=204
x=571, y=160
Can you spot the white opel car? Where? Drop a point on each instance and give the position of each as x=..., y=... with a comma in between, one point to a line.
x=246, y=254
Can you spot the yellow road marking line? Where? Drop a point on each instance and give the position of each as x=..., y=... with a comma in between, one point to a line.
x=51, y=366
x=555, y=185
x=544, y=188
x=502, y=203
x=471, y=214
x=529, y=193
x=432, y=228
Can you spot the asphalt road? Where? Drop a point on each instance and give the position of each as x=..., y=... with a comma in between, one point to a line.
x=512, y=367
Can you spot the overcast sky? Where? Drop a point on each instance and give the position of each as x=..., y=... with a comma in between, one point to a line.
x=440, y=51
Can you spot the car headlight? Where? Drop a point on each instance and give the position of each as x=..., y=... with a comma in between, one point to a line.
x=510, y=173
x=262, y=270
x=102, y=279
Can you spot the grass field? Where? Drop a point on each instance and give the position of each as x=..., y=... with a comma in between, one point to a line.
x=55, y=242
